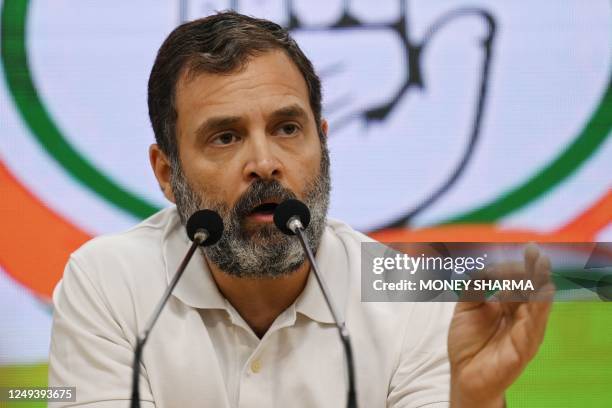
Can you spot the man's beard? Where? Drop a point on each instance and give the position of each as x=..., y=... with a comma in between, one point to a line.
x=263, y=251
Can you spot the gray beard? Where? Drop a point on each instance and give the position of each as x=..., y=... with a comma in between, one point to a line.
x=264, y=252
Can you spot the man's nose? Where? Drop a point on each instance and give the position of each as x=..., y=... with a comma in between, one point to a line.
x=262, y=162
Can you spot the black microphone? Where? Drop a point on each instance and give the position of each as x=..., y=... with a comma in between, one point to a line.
x=204, y=228
x=292, y=218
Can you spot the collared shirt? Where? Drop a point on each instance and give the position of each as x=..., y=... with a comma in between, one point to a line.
x=201, y=353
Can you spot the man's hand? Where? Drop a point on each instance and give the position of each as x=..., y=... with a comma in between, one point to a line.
x=490, y=343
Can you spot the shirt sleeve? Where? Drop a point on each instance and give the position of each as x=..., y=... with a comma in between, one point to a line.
x=89, y=349
x=422, y=376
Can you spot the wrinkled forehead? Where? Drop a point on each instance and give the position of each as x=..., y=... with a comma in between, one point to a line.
x=269, y=80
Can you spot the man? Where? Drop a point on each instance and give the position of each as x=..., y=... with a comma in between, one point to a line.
x=236, y=111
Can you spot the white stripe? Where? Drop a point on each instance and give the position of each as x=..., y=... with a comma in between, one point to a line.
x=45, y=179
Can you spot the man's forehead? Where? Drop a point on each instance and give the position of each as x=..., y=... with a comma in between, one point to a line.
x=273, y=68
x=270, y=79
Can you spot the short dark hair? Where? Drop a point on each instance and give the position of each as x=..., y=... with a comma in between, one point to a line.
x=220, y=43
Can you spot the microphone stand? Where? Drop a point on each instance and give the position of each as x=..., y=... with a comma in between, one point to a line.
x=199, y=237
x=295, y=225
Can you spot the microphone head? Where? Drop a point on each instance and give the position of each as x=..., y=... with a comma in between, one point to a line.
x=289, y=209
x=208, y=220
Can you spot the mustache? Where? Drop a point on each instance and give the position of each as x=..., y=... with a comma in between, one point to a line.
x=259, y=192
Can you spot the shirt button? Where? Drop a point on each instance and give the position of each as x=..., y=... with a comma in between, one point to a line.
x=256, y=366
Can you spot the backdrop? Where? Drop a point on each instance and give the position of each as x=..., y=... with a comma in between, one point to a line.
x=449, y=120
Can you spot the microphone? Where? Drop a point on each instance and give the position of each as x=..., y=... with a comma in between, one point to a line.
x=292, y=218
x=204, y=228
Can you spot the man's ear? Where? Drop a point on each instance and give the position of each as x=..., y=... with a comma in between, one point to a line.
x=162, y=169
x=324, y=127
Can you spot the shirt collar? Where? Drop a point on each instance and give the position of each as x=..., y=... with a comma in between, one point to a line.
x=333, y=264
x=198, y=289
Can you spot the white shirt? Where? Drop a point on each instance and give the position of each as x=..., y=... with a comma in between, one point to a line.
x=201, y=353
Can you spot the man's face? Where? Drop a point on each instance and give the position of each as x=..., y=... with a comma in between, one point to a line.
x=247, y=141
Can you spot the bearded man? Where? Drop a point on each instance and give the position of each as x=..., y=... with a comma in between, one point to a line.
x=236, y=110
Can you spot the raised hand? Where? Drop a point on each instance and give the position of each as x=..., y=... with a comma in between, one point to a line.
x=491, y=342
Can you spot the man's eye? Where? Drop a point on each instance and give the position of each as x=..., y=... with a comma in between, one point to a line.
x=225, y=139
x=288, y=129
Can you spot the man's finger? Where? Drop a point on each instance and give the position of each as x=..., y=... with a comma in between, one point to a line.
x=542, y=270
x=471, y=294
x=545, y=288
x=511, y=271
x=531, y=255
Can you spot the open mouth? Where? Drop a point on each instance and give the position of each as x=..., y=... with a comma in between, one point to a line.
x=264, y=209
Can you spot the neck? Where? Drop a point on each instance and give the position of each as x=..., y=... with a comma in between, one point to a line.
x=260, y=300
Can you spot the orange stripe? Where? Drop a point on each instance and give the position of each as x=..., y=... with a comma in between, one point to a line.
x=35, y=241
x=473, y=233
x=593, y=220
x=583, y=228
x=484, y=233
x=37, y=261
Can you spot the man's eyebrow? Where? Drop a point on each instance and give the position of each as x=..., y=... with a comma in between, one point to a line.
x=291, y=111
x=217, y=123
x=222, y=122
